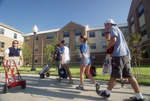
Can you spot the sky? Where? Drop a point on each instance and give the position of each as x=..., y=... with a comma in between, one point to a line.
x=53, y=14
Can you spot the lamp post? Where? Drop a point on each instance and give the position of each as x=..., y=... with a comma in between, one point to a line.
x=35, y=29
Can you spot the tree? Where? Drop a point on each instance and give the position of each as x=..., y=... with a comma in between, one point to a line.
x=134, y=43
x=26, y=52
x=49, y=50
x=1, y=50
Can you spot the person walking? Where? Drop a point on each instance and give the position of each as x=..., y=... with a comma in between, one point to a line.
x=14, y=53
x=107, y=36
x=65, y=56
x=85, y=63
x=120, y=62
x=57, y=58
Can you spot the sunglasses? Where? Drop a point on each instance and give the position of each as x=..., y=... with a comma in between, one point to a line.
x=106, y=24
x=15, y=43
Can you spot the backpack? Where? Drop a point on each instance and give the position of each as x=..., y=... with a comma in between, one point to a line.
x=92, y=71
x=63, y=73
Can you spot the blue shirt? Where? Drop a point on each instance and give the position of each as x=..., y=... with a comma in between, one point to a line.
x=120, y=47
x=14, y=52
x=84, y=48
x=58, y=52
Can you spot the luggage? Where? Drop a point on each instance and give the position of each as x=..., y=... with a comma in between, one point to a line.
x=63, y=73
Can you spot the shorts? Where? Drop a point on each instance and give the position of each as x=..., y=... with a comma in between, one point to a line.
x=66, y=61
x=58, y=64
x=11, y=63
x=87, y=61
x=121, y=67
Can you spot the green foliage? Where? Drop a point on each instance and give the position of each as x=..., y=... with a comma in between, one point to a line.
x=26, y=52
x=134, y=43
x=49, y=50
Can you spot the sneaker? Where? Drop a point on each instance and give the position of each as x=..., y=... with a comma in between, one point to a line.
x=97, y=85
x=135, y=99
x=79, y=87
x=70, y=82
x=102, y=93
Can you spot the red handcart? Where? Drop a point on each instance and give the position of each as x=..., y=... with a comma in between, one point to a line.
x=16, y=82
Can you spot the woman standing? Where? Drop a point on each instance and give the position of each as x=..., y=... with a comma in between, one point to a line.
x=65, y=59
x=14, y=52
x=85, y=63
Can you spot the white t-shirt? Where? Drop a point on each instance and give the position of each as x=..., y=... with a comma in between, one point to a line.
x=65, y=51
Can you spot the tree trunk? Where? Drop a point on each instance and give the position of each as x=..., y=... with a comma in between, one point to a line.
x=139, y=67
x=136, y=68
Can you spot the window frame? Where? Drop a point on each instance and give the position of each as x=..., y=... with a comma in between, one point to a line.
x=92, y=34
x=93, y=45
x=66, y=34
x=51, y=36
x=2, y=31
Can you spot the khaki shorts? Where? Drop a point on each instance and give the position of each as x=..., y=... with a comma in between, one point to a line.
x=11, y=63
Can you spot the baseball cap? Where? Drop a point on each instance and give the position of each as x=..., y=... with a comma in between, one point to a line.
x=110, y=21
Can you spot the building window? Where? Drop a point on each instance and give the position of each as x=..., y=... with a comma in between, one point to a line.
x=67, y=44
x=66, y=34
x=15, y=35
x=141, y=10
x=132, y=20
x=77, y=44
x=2, y=31
x=37, y=37
x=143, y=30
x=93, y=45
x=36, y=60
x=2, y=44
x=78, y=32
x=103, y=33
x=50, y=36
x=36, y=49
x=78, y=58
x=104, y=45
x=27, y=39
x=92, y=34
x=92, y=58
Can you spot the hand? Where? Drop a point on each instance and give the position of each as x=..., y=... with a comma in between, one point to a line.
x=83, y=65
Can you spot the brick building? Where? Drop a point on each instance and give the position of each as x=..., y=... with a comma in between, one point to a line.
x=71, y=33
x=139, y=22
x=7, y=35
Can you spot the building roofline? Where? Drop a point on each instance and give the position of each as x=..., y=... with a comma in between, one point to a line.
x=102, y=27
x=88, y=29
x=42, y=32
x=11, y=28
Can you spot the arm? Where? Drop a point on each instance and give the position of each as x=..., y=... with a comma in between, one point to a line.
x=21, y=58
x=83, y=55
x=62, y=55
x=5, y=55
x=111, y=43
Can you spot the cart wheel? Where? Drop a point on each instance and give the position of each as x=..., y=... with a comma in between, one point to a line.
x=47, y=74
x=42, y=76
x=24, y=86
x=5, y=88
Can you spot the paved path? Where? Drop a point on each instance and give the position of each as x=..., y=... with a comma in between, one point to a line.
x=49, y=89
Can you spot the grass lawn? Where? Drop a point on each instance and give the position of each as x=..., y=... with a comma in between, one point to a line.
x=144, y=79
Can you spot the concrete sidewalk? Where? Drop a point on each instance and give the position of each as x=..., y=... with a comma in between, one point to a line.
x=48, y=89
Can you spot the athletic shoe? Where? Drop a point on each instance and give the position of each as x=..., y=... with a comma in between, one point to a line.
x=97, y=85
x=79, y=87
x=102, y=93
x=135, y=99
